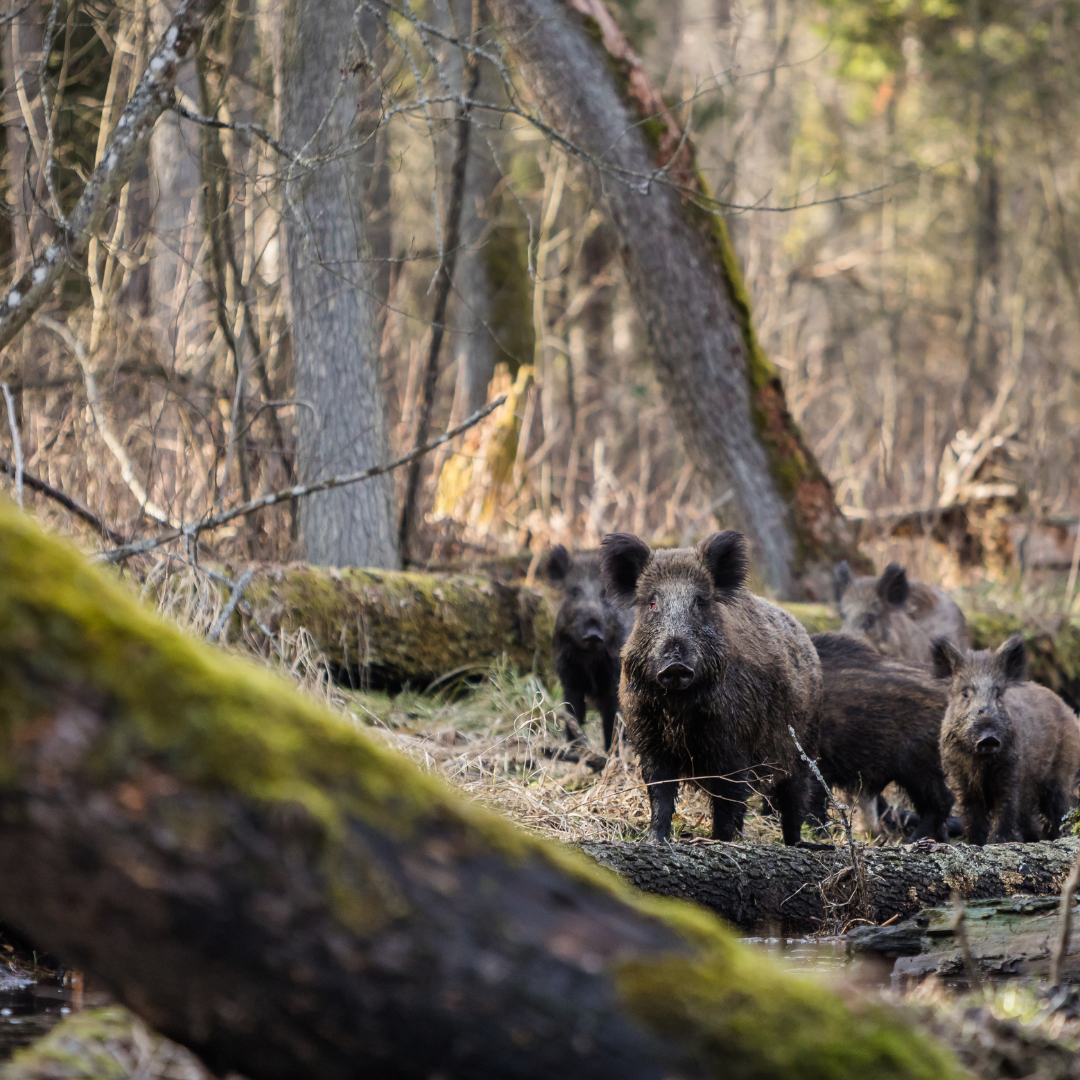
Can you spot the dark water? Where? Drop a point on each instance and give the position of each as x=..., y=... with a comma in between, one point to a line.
x=804, y=954
x=31, y=1003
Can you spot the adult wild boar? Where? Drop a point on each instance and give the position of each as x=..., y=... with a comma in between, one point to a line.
x=588, y=636
x=881, y=724
x=897, y=617
x=712, y=679
x=1010, y=748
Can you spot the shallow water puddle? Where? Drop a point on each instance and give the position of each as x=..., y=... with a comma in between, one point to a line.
x=30, y=1005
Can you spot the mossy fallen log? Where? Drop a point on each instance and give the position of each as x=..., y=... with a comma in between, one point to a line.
x=754, y=885
x=384, y=627
x=261, y=882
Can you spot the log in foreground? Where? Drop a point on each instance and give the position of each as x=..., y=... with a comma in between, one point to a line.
x=753, y=885
x=266, y=885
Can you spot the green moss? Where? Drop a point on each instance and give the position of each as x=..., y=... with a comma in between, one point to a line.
x=226, y=726
x=738, y=1017
x=815, y=618
x=505, y=256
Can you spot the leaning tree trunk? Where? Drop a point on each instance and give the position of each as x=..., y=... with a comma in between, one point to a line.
x=266, y=885
x=686, y=283
x=752, y=885
x=332, y=288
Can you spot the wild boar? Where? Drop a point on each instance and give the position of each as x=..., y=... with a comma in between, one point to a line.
x=880, y=724
x=1010, y=748
x=713, y=677
x=588, y=637
x=897, y=617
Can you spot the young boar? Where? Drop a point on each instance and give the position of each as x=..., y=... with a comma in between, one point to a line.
x=1010, y=748
x=589, y=634
x=712, y=678
x=897, y=617
x=881, y=723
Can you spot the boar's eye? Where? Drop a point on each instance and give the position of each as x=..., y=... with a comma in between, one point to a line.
x=654, y=605
x=868, y=621
x=574, y=593
x=966, y=693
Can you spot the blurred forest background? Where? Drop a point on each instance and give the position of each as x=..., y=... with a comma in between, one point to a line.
x=899, y=177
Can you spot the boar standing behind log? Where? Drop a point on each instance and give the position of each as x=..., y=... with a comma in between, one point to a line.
x=588, y=636
x=1010, y=748
x=880, y=724
x=897, y=617
x=712, y=678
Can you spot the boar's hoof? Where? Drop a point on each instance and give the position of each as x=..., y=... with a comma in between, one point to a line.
x=989, y=744
x=675, y=676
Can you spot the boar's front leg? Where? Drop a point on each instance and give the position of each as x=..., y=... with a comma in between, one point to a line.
x=663, y=787
x=792, y=796
x=608, y=706
x=1053, y=804
x=575, y=712
x=729, y=796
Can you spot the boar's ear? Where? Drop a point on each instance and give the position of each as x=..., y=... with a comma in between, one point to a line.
x=558, y=564
x=893, y=585
x=622, y=558
x=947, y=658
x=724, y=554
x=841, y=579
x=1012, y=659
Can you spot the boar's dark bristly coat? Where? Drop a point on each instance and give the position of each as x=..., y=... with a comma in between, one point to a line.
x=1010, y=748
x=880, y=724
x=895, y=616
x=712, y=678
x=588, y=636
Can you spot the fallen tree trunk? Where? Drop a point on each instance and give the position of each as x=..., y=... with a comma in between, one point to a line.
x=753, y=885
x=392, y=628
x=264, y=884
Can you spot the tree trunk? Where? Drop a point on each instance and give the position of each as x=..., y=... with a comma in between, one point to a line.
x=686, y=282
x=181, y=309
x=23, y=39
x=262, y=883
x=753, y=885
x=332, y=290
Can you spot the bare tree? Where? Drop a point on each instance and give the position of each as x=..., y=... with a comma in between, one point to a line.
x=332, y=286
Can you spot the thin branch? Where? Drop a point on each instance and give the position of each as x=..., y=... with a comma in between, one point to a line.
x=1061, y=946
x=217, y=520
x=444, y=276
x=66, y=501
x=230, y=606
x=13, y=423
x=125, y=149
x=240, y=128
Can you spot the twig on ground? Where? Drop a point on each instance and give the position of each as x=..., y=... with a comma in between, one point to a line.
x=230, y=606
x=959, y=929
x=1061, y=946
x=215, y=521
x=15, y=441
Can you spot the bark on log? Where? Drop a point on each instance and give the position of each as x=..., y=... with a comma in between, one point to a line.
x=754, y=885
x=264, y=884
x=686, y=282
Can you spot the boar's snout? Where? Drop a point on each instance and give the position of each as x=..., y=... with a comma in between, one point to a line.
x=593, y=632
x=675, y=675
x=988, y=744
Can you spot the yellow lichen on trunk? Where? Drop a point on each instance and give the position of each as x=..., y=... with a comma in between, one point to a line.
x=229, y=728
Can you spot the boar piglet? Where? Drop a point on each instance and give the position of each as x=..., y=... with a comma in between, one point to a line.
x=1010, y=748
x=589, y=634
x=712, y=678
x=880, y=724
x=895, y=616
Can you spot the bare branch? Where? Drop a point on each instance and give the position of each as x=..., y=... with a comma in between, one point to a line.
x=217, y=520
x=13, y=423
x=66, y=501
x=125, y=149
x=234, y=598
